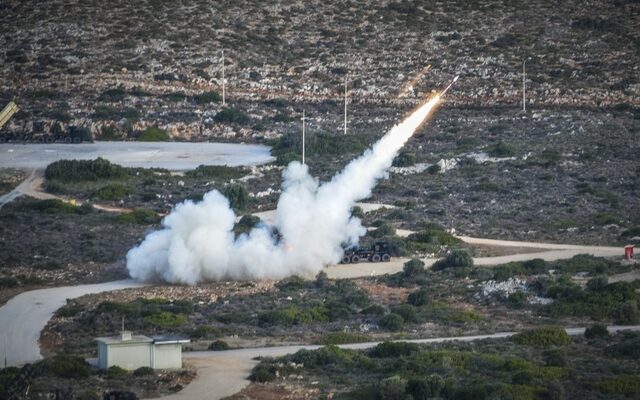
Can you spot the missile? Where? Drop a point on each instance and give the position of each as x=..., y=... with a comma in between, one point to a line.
x=451, y=84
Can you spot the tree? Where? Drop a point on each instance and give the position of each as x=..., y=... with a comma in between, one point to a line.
x=627, y=313
x=237, y=195
x=596, y=331
x=392, y=322
x=418, y=298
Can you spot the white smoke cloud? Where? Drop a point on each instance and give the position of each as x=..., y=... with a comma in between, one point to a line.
x=198, y=243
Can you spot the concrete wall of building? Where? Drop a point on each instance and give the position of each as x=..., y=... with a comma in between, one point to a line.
x=167, y=356
x=129, y=356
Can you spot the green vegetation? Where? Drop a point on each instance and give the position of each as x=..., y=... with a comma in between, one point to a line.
x=627, y=385
x=459, y=259
x=232, y=116
x=246, y=223
x=289, y=147
x=502, y=149
x=139, y=216
x=83, y=170
x=596, y=331
x=343, y=338
x=53, y=206
x=237, y=195
x=65, y=366
x=218, y=172
x=219, y=345
x=112, y=191
x=154, y=134
x=552, y=336
x=204, y=98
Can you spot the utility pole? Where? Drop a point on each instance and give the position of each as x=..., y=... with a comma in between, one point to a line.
x=345, y=105
x=524, y=86
x=303, y=122
x=223, y=94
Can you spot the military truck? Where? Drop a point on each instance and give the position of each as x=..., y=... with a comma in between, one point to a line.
x=378, y=252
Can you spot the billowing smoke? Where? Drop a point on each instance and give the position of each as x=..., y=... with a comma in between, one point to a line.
x=313, y=220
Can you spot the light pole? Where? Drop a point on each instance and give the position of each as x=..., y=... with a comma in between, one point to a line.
x=303, y=123
x=345, y=105
x=223, y=94
x=524, y=84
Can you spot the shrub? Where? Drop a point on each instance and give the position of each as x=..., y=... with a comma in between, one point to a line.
x=627, y=313
x=627, y=385
x=628, y=347
x=554, y=358
x=404, y=159
x=413, y=268
x=385, y=229
x=143, y=371
x=83, y=170
x=423, y=389
x=115, y=372
x=596, y=331
x=322, y=280
x=434, y=234
x=230, y=115
x=50, y=206
x=343, y=338
x=455, y=259
x=246, y=224
x=8, y=282
x=154, y=134
x=139, y=216
x=502, y=149
x=506, y=271
x=535, y=266
x=434, y=169
x=207, y=97
x=66, y=366
x=418, y=298
x=220, y=172
x=219, y=345
x=551, y=336
x=166, y=319
x=394, y=349
x=517, y=299
x=408, y=312
x=237, y=195
x=392, y=388
x=373, y=310
x=263, y=372
x=113, y=191
x=392, y=322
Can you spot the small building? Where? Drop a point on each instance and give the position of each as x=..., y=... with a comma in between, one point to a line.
x=130, y=352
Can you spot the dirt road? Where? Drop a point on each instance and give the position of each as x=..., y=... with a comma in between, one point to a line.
x=549, y=252
x=23, y=317
x=224, y=373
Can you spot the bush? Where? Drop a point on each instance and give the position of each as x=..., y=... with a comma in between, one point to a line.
x=237, y=195
x=535, y=266
x=627, y=385
x=596, y=331
x=502, y=149
x=343, y=338
x=383, y=230
x=517, y=299
x=219, y=345
x=394, y=349
x=551, y=336
x=83, y=170
x=506, y=271
x=246, y=224
x=627, y=313
x=404, y=159
x=373, y=310
x=139, y=216
x=219, y=172
x=8, y=282
x=166, y=319
x=392, y=388
x=113, y=191
x=143, y=371
x=434, y=234
x=413, y=268
x=207, y=97
x=115, y=372
x=423, y=389
x=263, y=372
x=418, y=298
x=554, y=358
x=51, y=206
x=392, y=322
x=230, y=115
x=408, y=312
x=154, y=134
x=66, y=366
x=455, y=259
x=628, y=347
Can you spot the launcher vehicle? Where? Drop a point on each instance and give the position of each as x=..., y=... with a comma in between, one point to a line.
x=379, y=251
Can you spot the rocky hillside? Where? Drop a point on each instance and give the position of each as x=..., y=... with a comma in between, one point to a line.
x=118, y=67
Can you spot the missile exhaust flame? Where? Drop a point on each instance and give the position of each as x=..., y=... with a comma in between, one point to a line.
x=197, y=242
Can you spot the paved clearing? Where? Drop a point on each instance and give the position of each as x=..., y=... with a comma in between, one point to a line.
x=174, y=156
x=224, y=373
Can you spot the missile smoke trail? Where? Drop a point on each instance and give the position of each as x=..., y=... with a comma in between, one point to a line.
x=197, y=242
